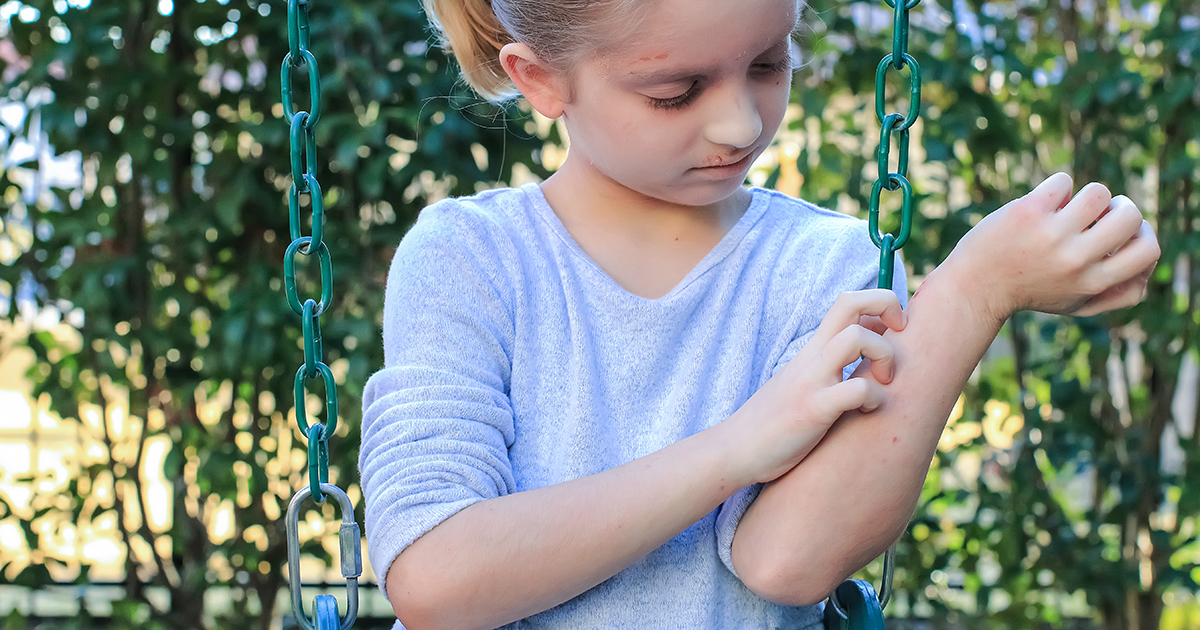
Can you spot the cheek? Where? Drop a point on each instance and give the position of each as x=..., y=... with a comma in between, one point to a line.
x=775, y=104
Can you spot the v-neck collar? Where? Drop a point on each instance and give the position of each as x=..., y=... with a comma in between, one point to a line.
x=759, y=202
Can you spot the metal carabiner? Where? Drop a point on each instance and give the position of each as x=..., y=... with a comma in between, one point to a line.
x=351, y=558
x=885, y=587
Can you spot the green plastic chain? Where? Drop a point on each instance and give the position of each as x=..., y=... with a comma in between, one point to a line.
x=854, y=605
x=304, y=182
x=894, y=125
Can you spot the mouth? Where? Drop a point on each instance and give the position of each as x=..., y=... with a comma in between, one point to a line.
x=728, y=167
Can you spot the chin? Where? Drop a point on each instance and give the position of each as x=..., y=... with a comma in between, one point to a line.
x=706, y=194
x=687, y=191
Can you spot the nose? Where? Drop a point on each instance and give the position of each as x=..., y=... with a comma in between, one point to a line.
x=733, y=119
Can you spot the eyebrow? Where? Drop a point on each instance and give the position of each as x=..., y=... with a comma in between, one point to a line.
x=675, y=75
x=670, y=76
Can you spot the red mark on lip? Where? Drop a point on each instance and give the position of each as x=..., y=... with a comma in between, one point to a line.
x=719, y=160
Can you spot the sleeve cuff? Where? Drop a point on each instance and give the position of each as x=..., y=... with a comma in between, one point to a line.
x=728, y=517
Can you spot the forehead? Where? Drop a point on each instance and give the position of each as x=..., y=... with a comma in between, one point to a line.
x=702, y=33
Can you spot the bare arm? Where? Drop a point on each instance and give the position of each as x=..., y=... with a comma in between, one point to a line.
x=507, y=558
x=855, y=492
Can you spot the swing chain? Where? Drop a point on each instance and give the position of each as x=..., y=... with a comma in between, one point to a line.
x=304, y=182
x=869, y=613
x=897, y=125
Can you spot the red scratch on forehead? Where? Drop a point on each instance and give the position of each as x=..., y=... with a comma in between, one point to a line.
x=655, y=58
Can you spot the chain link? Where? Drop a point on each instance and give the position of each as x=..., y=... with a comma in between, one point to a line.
x=304, y=182
x=898, y=125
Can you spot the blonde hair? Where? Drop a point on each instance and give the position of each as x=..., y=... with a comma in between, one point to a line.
x=556, y=31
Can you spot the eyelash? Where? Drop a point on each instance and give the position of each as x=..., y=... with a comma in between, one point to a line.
x=683, y=100
x=782, y=65
x=676, y=102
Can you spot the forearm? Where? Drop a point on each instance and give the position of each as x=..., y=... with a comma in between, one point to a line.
x=855, y=492
x=507, y=558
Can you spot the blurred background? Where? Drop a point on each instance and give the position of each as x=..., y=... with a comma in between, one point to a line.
x=147, y=436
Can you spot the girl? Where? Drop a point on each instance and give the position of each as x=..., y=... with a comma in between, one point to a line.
x=623, y=398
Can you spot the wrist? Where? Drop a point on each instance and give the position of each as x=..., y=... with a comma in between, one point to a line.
x=987, y=299
x=727, y=442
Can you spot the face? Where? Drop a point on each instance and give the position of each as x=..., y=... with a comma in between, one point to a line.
x=680, y=113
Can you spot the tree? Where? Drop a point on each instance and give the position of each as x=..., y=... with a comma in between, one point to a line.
x=1065, y=484
x=1066, y=478
x=172, y=252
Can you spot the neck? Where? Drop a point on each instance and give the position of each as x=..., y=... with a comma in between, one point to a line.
x=585, y=199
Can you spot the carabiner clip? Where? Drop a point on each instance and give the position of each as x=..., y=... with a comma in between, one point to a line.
x=351, y=557
x=885, y=587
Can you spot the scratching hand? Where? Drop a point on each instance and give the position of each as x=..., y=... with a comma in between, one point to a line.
x=790, y=414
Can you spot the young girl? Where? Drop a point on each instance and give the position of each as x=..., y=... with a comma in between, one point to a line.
x=620, y=398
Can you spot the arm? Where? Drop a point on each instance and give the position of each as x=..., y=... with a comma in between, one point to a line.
x=507, y=558
x=514, y=555
x=854, y=494
x=435, y=469
x=511, y=556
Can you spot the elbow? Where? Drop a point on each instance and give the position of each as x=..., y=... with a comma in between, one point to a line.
x=409, y=603
x=803, y=576
x=787, y=582
x=413, y=613
x=417, y=598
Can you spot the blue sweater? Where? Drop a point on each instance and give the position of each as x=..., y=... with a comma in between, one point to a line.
x=514, y=362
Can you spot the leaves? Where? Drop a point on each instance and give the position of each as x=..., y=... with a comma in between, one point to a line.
x=165, y=264
x=171, y=250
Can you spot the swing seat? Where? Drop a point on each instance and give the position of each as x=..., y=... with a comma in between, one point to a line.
x=858, y=600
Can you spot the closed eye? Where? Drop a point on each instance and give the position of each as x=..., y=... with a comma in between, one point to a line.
x=676, y=102
x=783, y=65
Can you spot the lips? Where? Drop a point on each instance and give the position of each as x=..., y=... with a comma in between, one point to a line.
x=727, y=164
x=736, y=169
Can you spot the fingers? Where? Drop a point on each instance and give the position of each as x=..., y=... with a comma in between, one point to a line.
x=1130, y=259
x=873, y=324
x=856, y=393
x=1085, y=208
x=1121, y=278
x=1123, y=295
x=850, y=308
x=855, y=341
x=1053, y=192
x=1120, y=222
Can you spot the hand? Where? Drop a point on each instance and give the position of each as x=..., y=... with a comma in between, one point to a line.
x=1050, y=252
x=788, y=416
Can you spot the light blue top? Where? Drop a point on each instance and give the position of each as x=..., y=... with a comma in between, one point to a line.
x=514, y=362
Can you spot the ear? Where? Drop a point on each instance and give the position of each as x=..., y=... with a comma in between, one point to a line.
x=538, y=83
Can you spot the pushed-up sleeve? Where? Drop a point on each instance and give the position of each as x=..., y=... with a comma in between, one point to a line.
x=852, y=265
x=437, y=422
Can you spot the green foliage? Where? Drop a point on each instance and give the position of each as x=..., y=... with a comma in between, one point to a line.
x=172, y=251
x=1079, y=514
x=1049, y=498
